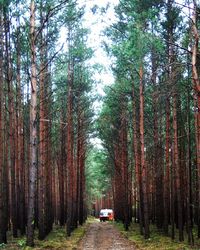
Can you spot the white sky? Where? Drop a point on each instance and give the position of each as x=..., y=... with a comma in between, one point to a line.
x=97, y=23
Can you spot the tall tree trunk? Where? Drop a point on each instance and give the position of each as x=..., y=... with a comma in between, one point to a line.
x=167, y=169
x=137, y=163
x=175, y=171
x=143, y=164
x=196, y=86
x=78, y=155
x=69, y=153
x=81, y=170
x=20, y=139
x=42, y=149
x=12, y=134
x=124, y=165
x=33, y=132
x=62, y=175
x=172, y=203
x=3, y=237
x=189, y=176
x=119, y=190
x=158, y=168
x=177, y=168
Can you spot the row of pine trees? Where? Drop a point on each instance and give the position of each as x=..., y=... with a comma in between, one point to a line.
x=150, y=120
x=149, y=123
x=44, y=117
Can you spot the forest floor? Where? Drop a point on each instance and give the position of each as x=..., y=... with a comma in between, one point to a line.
x=104, y=236
x=96, y=235
x=55, y=240
x=157, y=240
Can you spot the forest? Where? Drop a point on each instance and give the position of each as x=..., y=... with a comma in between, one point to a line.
x=147, y=167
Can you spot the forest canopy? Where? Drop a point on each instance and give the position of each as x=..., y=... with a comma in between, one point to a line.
x=148, y=165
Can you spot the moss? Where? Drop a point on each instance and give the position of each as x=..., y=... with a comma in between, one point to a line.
x=156, y=241
x=55, y=240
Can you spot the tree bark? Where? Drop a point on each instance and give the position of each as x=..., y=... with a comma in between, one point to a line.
x=20, y=138
x=42, y=149
x=62, y=175
x=11, y=130
x=69, y=153
x=196, y=86
x=143, y=164
x=137, y=163
x=3, y=237
x=189, y=176
x=177, y=168
x=167, y=169
x=33, y=132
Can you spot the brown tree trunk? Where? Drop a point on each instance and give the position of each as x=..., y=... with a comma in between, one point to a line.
x=172, y=212
x=69, y=153
x=11, y=130
x=78, y=155
x=124, y=165
x=196, y=86
x=137, y=163
x=81, y=171
x=42, y=149
x=3, y=229
x=157, y=166
x=82, y=208
x=118, y=187
x=62, y=175
x=177, y=168
x=167, y=169
x=33, y=132
x=20, y=139
x=189, y=176
x=143, y=164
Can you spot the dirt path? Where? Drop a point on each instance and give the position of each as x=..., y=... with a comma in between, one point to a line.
x=103, y=236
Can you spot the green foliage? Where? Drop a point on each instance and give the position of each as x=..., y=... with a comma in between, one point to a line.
x=21, y=243
x=2, y=245
x=158, y=241
x=55, y=240
x=98, y=174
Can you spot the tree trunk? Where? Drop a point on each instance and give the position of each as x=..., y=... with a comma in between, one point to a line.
x=78, y=155
x=196, y=86
x=167, y=169
x=157, y=166
x=177, y=168
x=20, y=139
x=62, y=175
x=11, y=130
x=143, y=164
x=137, y=164
x=3, y=237
x=42, y=149
x=69, y=153
x=33, y=133
x=81, y=171
x=124, y=164
x=189, y=176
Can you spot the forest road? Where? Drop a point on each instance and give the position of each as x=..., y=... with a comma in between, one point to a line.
x=104, y=236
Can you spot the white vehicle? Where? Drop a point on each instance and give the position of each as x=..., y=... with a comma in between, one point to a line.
x=106, y=214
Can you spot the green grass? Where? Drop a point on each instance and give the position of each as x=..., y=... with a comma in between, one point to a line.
x=55, y=240
x=157, y=240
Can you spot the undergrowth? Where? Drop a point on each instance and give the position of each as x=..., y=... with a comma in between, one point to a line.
x=157, y=239
x=55, y=240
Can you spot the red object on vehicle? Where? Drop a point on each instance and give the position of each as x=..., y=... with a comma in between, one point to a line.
x=106, y=215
